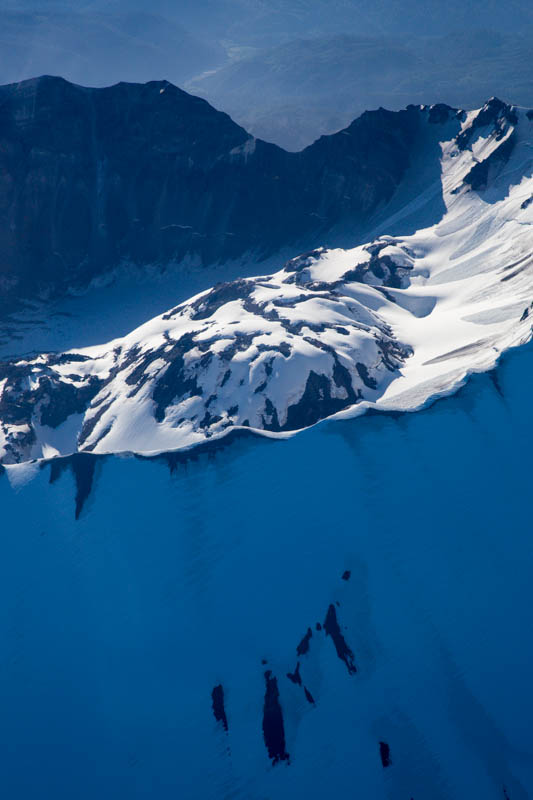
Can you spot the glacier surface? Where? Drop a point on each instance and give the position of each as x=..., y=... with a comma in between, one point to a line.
x=411, y=531
x=199, y=603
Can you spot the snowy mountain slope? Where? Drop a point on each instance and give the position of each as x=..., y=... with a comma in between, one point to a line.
x=388, y=325
x=412, y=532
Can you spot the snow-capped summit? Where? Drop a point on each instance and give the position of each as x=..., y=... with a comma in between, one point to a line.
x=389, y=324
x=276, y=353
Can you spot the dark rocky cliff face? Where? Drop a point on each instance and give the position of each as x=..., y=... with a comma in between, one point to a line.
x=145, y=173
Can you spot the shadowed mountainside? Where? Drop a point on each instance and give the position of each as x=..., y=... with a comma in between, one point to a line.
x=145, y=173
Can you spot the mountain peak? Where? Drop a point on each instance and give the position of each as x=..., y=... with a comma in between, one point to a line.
x=145, y=174
x=332, y=331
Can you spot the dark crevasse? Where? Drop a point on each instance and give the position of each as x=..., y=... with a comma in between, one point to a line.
x=273, y=727
x=303, y=647
x=217, y=698
x=115, y=627
x=384, y=754
x=344, y=652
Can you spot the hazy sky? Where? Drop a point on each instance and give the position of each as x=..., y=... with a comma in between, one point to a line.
x=254, y=59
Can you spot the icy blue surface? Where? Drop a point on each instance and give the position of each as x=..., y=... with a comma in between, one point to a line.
x=115, y=628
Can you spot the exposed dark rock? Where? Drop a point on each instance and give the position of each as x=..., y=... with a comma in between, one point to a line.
x=346, y=575
x=223, y=293
x=65, y=399
x=496, y=113
x=270, y=417
x=35, y=393
x=392, y=352
x=382, y=270
x=242, y=341
x=369, y=382
x=273, y=728
x=90, y=424
x=56, y=398
x=217, y=697
x=315, y=403
x=209, y=419
x=19, y=442
x=304, y=260
x=441, y=113
x=268, y=366
x=174, y=381
x=331, y=627
x=64, y=358
x=302, y=298
x=478, y=176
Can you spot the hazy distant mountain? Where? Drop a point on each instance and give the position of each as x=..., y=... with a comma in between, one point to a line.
x=96, y=49
x=293, y=93
x=274, y=21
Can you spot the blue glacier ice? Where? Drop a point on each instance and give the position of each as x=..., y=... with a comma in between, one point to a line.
x=415, y=528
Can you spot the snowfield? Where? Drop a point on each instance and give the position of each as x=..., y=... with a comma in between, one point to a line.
x=389, y=325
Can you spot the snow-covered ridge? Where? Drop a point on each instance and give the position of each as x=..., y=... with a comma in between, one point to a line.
x=388, y=325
